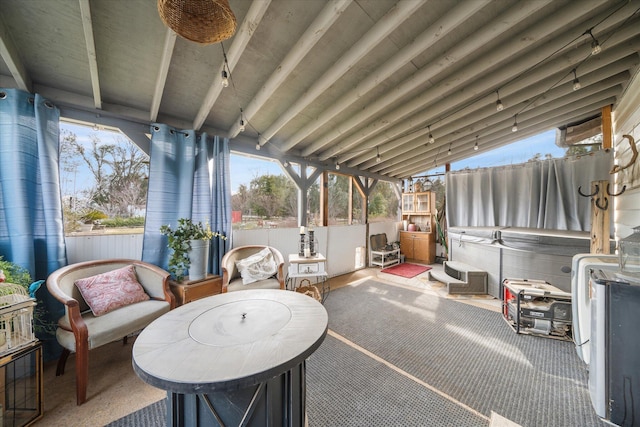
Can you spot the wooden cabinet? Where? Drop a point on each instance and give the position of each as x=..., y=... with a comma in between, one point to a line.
x=418, y=203
x=419, y=246
x=191, y=290
x=419, y=209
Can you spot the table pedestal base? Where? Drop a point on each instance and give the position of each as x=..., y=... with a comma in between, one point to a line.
x=278, y=402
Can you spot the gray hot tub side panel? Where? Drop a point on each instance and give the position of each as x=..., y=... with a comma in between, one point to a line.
x=519, y=253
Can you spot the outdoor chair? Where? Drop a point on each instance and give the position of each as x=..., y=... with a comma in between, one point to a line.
x=105, y=301
x=252, y=267
x=382, y=253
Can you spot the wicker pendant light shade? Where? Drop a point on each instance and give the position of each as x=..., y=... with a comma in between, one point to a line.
x=200, y=21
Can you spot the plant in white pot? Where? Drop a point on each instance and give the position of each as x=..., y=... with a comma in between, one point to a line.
x=189, y=243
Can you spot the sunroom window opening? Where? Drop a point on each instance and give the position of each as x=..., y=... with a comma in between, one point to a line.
x=383, y=203
x=103, y=180
x=262, y=194
x=342, y=210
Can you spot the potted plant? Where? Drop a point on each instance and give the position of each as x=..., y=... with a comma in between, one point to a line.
x=189, y=243
x=89, y=218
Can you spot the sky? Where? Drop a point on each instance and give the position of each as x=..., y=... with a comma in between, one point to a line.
x=244, y=169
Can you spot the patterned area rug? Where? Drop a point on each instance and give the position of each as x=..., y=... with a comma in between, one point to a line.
x=406, y=269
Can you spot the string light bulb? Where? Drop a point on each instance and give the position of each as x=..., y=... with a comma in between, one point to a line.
x=449, y=151
x=286, y=164
x=499, y=106
x=337, y=165
x=576, y=82
x=475, y=147
x=514, y=128
x=258, y=146
x=431, y=138
x=595, y=46
x=225, y=79
x=378, y=158
x=242, y=127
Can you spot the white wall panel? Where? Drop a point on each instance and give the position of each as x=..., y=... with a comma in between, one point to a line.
x=337, y=243
x=342, y=243
x=627, y=122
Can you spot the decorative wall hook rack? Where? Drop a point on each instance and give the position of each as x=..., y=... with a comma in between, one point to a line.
x=602, y=202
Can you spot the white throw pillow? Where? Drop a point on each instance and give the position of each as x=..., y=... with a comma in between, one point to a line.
x=256, y=267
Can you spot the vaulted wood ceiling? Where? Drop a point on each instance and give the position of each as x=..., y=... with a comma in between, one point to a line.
x=332, y=81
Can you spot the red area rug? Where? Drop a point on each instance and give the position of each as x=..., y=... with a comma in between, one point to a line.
x=406, y=270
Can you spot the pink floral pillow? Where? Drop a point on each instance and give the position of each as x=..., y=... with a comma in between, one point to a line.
x=114, y=289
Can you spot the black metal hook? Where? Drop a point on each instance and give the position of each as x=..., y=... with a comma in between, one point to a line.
x=606, y=204
x=624, y=187
x=589, y=195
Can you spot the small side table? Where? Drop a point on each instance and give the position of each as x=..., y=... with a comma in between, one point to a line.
x=191, y=290
x=306, y=268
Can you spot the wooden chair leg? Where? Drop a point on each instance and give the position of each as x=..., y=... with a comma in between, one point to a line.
x=62, y=361
x=82, y=372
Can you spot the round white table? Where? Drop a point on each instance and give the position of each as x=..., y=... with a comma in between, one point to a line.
x=236, y=358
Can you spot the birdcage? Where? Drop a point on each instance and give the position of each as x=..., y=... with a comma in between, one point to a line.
x=16, y=322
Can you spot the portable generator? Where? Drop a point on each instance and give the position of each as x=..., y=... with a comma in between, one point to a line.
x=536, y=307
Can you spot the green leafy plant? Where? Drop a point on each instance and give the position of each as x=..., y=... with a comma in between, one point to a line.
x=13, y=273
x=179, y=241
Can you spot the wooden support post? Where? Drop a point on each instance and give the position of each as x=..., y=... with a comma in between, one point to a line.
x=607, y=128
x=324, y=199
x=600, y=229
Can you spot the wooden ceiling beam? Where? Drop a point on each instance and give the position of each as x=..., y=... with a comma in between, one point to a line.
x=486, y=117
x=331, y=12
x=238, y=45
x=420, y=77
x=439, y=29
x=9, y=54
x=485, y=64
x=92, y=58
x=394, y=18
x=163, y=71
x=462, y=149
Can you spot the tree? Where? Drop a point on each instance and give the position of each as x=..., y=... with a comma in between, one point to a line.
x=118, y=170
x=338, y=197
x=240, y=200
x=271, y=195
x=383, y=202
